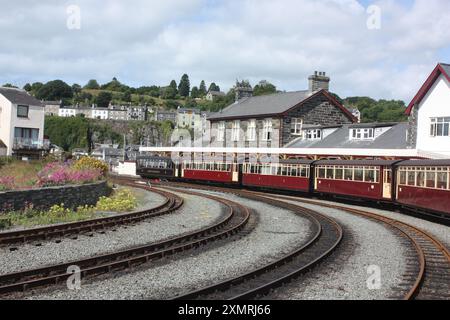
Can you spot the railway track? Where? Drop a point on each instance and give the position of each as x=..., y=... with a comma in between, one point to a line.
x=326, y=236
x=235, y=219
x=72, y=229
x=428, y=276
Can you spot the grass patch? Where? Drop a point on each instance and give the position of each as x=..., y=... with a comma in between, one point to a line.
x=121, y=200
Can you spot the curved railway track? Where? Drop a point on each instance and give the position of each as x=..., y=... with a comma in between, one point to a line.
x=326, y=236
x=429, y=276
x=235, y=219
x=171, y=204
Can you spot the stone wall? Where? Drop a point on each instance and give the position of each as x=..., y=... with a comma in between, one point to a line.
x=72, y=196
x=317, y=111
x=412, y=129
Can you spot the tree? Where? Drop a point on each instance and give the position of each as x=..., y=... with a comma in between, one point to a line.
x=173, y=85
x=92, y=84
x=36, y=86
x=127, y=96
x=264, y=88
x=168, y=93
x=9, y=85
x=55, y=90
x=184, y=86
x=214, y=87
x=115, y=85
x=202, y=89
x=195, y=93
x=67, y=133
x=103, y=99
x=76, y=89
x=27, y=87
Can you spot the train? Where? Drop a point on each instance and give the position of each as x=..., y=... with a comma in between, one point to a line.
x=422, y=186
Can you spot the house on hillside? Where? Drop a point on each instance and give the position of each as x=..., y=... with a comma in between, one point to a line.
x=211, y=95
x=22, y=124
x=276, y=120
x=429, y=113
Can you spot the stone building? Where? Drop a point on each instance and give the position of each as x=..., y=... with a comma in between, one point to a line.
x=51, y=108
x=277, y=119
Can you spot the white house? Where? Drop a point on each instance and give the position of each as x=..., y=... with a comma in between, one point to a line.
x=21, y=123
x=429, y=112
x=100, y=113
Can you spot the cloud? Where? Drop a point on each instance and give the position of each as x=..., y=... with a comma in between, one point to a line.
x=149, y=42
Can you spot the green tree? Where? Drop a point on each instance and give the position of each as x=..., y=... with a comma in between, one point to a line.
x=92, y=84
x=67, y=133
x=76, y=89
x=127, y=96
x=184, y=87
x=27, y=87
x=202, y=89
x=55, y=90
x=264, y=88
x=103, y=99
x=9, y=85
x=195, y=93
x=173, y=85
x=36, y=86
x=168, y=93
x=214, y=87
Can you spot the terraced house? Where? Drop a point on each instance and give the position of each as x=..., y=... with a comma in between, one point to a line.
x=22, y=124
x=277, y=119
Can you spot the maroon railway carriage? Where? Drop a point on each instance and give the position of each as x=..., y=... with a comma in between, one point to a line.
x=424, y=184
x=287, y=174
x=211, y=171
x=369, y=179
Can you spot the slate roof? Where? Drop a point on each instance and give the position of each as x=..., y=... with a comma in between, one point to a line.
x=269, y=104
x=273, y=105
x=2, y=145
x=394, y=138
x=18, y=96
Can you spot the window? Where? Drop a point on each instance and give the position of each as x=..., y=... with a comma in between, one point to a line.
x=296, y=126
x=235, y=130
x=267, y=130
x=251, y=130
x=221, y=131
x=440, y=127
x=361, y=134
x=314, y=134
x=26, y=133
x=22, y=111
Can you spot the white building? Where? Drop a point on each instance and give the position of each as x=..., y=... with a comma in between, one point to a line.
x=22, y=123
x=67, y=112
x=429, y=112
x=100, y=113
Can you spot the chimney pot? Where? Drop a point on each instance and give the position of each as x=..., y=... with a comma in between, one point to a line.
x=319, y=81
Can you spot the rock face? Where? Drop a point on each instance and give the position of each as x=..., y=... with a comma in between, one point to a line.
x=72, y=196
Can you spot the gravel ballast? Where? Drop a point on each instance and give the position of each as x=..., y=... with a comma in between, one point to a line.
x=276, y=233
x=195, y=214
x=345, y=274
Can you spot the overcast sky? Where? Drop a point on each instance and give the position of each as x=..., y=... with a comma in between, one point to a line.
x=144, y=42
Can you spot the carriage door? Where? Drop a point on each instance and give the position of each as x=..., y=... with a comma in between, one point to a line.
x=387, y=183
x=235, y=172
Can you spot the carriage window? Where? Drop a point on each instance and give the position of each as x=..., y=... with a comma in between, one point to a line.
x=294, y=171
x=284, y=170
x=431, y=180
x=330, y=173
x=359, y=174
x=321, y=173
x=420, y=179
x=348, y=173
x=402, y=177
x=304, y=172
x=276, y=170
x=442, y=180
x=339, y=173
x=387, y=176
x=411, y=178
x=369, y=175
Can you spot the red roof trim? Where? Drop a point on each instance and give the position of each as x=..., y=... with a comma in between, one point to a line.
x=427, y=86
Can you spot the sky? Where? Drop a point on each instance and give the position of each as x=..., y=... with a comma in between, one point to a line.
x=383, y=49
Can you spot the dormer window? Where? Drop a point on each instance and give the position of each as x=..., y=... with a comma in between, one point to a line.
x=362, y=134
x=313, y=134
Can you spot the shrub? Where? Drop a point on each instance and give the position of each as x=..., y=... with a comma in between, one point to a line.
x=91, y=163
x=122, y=201
x=7, y=183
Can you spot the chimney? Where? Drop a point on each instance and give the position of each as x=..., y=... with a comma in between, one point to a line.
x=242, y=90
x=319, y=81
